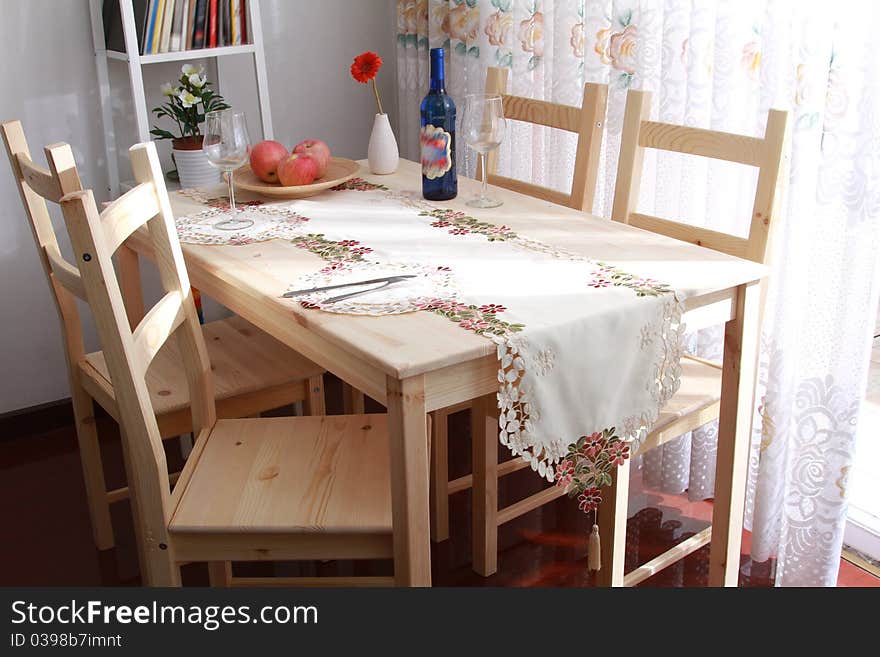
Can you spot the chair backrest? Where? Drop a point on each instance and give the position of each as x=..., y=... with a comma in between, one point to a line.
x=586, y=121
x=36, y=185
x=765, y=153
x=96, y=237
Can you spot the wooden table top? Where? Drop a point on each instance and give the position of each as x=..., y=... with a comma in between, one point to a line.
x=415, y=343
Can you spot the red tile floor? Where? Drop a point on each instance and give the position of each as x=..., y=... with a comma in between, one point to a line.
x=42, y=499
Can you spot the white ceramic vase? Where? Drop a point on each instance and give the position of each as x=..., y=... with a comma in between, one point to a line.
x=194, y=169
x=382, y=153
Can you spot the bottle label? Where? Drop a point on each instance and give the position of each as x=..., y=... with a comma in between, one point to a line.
x=436, y=151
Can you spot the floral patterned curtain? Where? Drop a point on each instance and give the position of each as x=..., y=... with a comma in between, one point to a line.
x=718, y=64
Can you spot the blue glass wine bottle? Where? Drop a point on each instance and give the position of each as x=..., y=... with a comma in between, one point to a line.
x=439, y=180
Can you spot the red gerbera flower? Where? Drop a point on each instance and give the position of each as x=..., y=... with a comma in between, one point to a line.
x=364, y=69
x=365, y=66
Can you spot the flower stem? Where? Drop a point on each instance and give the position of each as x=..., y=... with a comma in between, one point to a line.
x=376, y=93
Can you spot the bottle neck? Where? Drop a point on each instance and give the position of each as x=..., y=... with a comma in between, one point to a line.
x=438, y=76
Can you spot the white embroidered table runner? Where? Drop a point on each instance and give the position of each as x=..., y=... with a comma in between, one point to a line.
x=588, y=354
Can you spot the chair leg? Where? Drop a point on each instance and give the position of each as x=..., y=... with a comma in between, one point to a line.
x=158, y=564
x=220, y=573
x=352, y=400
x=485, y=489
x=612, y=528
x=161, y=570
x=439, y=476
x=93, y=467
x=186, y=445
x=314, y=401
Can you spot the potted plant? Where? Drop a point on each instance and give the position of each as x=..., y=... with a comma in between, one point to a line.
x=186, y=105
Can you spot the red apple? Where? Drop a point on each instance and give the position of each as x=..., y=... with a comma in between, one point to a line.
x=318, y=150
x=265, y=158
x=298, y=169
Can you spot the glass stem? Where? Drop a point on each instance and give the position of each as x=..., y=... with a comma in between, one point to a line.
x=484, y=193
x=231, y=191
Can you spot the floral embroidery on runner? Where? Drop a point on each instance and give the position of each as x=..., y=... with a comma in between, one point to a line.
x=479, y=319
x=220, y=201
x=359, y=185
x=460, y=223
x=270, y=222
x=588, y=465
x=340, y=254
x=609, y=275
x=419, y=292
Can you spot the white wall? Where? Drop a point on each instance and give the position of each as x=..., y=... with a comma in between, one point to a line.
x=48, y=80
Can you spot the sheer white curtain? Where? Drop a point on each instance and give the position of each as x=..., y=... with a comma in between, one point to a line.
x=720, y=65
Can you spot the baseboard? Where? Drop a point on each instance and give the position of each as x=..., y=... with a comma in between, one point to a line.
x=34, y=420
x=861, y=560
x=862, y=533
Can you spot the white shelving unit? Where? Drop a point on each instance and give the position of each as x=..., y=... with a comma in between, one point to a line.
x=135, y=61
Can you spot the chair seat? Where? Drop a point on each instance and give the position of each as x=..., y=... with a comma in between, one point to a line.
x=244, y=360
x=290, y=475
x=700, y=389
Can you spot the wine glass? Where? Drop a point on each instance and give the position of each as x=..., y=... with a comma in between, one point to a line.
x=227, y=147
x=483, y=126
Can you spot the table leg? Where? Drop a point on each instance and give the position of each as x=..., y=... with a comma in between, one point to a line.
x=407, y=429
x=484, y=493
x=741, y=335
x=439, y=476
x=612, y=527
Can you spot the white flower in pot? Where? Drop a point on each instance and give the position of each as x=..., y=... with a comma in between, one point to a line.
x=186, y=104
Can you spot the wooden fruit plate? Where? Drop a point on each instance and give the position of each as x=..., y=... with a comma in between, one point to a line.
x=339, y=170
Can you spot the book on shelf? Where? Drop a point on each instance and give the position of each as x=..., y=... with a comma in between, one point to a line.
x=184, y=19
x=114, y=32
x=177, y=25
x=189, y=27
x=212, y=23
x=221, y=26
x=226, y=21
x=167, y=20
x=150, y=29
x=234, y=23
x=244, y=22
x=157, y=27
x=198, y=39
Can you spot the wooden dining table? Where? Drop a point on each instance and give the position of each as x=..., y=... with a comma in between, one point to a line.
x=419, y=362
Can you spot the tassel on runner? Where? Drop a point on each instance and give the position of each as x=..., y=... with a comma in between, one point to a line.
x=594, y=550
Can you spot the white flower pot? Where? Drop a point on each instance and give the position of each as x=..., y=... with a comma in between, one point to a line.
x=194, y=169
x=382, y=153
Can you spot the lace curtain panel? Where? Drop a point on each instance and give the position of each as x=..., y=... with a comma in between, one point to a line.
x=719, y=65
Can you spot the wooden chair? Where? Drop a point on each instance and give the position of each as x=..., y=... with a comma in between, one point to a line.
x=698, y=400
x=253, y=372
x=252, y=489
x=586, y=121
